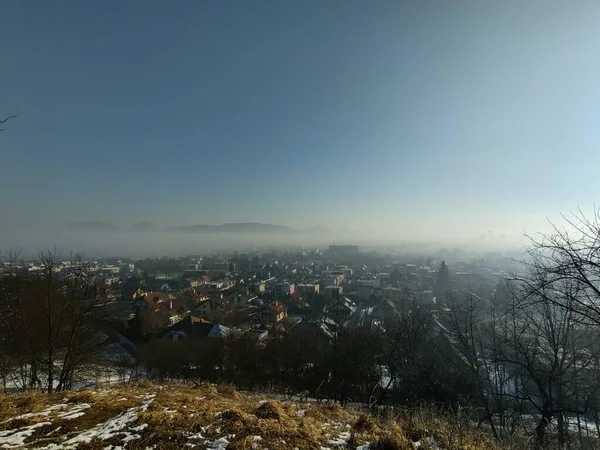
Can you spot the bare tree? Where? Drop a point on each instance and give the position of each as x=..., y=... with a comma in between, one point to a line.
x=54, y=323
x=568, y=254
x=531, y=355
x=473, y=335
x=6, y=119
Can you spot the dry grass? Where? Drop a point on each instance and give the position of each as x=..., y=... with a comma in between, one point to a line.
x=228, y=390
x=270, y=410
x=365, y=424
x=184, y=416
x=393, y=439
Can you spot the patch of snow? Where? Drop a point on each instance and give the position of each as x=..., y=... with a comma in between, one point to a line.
x=219, y=444
x=46, y=412
x=257, y=438
x=431, y=443
x=111, y=428
x=131, y=437
x=363, y=447
x=341, y=440
x=75, y=412
x=196, y=436
x=16, y=438
x=301, y=413
x=139, y=428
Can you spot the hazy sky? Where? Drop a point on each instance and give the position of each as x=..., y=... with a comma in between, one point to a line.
x=415, y=117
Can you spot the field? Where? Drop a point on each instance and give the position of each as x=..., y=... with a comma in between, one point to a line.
x=147, y=416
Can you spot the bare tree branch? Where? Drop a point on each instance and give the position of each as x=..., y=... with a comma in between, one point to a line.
x=6, y=119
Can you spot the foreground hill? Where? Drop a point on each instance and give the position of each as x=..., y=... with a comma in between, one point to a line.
x=149, y=416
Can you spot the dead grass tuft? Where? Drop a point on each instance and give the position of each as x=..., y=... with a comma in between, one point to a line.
x=142, y=383
x=6, y=406
x=233, y=415
x=228, y=390
x=209, y=389
x=30, y=401
x=365, y=424
x=270, y=410
x=392, y=440
x=84, y=396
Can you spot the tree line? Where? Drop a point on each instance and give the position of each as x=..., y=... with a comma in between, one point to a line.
x=51, y=322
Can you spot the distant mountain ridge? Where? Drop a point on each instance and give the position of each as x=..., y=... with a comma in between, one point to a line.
x=244, y=227
x=241, y=227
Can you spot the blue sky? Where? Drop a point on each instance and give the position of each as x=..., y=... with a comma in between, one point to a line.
x=409, y=118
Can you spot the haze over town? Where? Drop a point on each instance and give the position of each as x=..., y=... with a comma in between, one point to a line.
x=375, y=219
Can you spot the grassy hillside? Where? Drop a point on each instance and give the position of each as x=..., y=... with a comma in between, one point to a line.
x=147, y=416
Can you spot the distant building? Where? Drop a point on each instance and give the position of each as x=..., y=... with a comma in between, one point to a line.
x=384, y=309
x=334, y=280
x=308, y=289
x=320, y=332
x=341, y=309
x=343, y=251
x=284, y=289
x=333, y=292
x=396, y=295
x=194, y=327
x=258, y=334
x=109, y=281
x=242, y=298
x=366, y=287
x=273, y=313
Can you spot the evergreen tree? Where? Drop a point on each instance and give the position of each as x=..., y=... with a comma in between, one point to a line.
x=442, y=285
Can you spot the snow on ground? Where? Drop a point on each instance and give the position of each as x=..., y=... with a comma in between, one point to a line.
x=430, y=442
x=16, y=438
x=75, y=412
x=219, y=444
x=117, y=426
x=46, y=412
x=139, y=428
x=69, y=414
x=112, y=427
x=341, y=440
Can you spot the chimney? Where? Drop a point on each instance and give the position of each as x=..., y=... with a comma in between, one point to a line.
x=171, y=304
